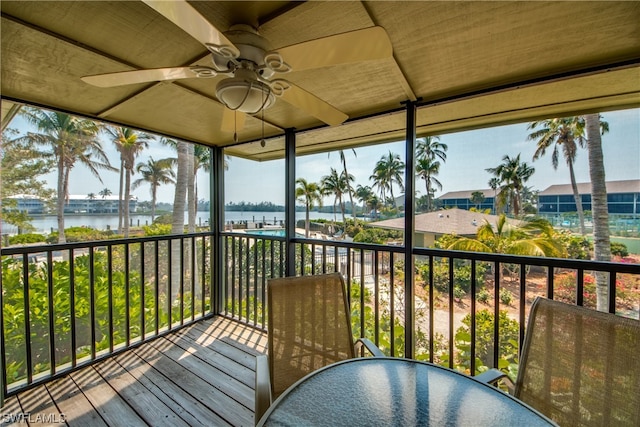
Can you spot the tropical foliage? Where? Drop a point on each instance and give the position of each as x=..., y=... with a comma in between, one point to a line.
x=567, y=134
x=117, y=296
x=533, y=237
x=67, y=141
x=512, y=174
x=308, y=193
x=155, y=173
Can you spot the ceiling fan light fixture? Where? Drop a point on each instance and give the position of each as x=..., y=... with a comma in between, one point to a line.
x=248, y=96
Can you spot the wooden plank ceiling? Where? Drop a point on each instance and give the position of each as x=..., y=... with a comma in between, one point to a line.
x=472, y=64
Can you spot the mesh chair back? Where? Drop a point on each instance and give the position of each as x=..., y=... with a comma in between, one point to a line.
x=309, y=327
x=580, y=367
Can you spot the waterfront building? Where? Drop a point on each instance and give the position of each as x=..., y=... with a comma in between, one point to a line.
x=33, y=205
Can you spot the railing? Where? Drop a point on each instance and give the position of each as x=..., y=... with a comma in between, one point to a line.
x=458, y=295
x=66, y=306
x=69, y=305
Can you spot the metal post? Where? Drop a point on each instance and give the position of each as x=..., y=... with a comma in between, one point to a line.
x=290, y=200
x=409, y=221
x=216, y=211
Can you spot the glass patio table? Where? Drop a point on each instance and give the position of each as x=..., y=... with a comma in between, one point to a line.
x=396, y=392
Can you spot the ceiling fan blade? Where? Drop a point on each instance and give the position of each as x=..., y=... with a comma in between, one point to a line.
x=354, y=46
x=186, y=17
x=232, y=121
x=139, y=76
x=313, y=105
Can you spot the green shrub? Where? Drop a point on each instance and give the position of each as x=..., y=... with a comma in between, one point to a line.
x=506, y=296
x=122, y=285
x=619, y=249
x=164, y=219
x=28, y=238
x=461, y=274
x=80, y=234
x=156, y=229
x=376, y=235
x=483, y=296
x=508, y=348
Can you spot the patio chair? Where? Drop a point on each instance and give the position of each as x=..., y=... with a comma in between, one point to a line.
x=579, y=366
x=309, y=326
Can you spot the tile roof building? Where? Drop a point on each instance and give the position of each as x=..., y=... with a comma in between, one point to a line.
x=432, y=225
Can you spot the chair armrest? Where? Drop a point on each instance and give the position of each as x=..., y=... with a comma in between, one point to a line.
x=493, y=376
x=373, y=349
x=263, y=387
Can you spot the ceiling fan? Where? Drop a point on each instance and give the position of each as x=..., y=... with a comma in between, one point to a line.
x=252, y=67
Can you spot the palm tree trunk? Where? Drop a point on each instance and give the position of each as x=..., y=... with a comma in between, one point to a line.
x=61, y=199
x=577, y=198
x=306, y=222
x=344, y=217
x=120, y=196
x=154, y=194
x=127, y=196
x=177, y=223
x=601, y=235
x=516, y=202
x=191, y=207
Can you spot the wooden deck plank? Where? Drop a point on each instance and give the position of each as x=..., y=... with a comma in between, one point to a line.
x=146, y=405
x=72, y=402
x=225, y=380
x=12, y=413
x=112, y=408
x=218, y=360
x=240, y=353
x=178, y=368
x=239, y=332
x=202, y=375
x=41, y=408
x=189, y=409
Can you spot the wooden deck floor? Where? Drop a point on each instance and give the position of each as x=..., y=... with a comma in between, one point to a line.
x=202, y=375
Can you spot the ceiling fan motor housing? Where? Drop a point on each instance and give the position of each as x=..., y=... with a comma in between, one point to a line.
x=252, y=47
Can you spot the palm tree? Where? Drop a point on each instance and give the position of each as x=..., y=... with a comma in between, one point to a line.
x=129, y=144
x=494, y=184
x=331, y=185
x=91, y=196
x=155, y=173
x=477, y=197
x=338, y=185
x=432, y=148
x=427, y=168
x=602, y=242
x=535, y=237
x=71, y=140
x=512, y=175
x=201, y=160
x=364, y=194
x=308, y=193
x=350, y=190
x=105, y=192
x=567, y=133
x=387, y=172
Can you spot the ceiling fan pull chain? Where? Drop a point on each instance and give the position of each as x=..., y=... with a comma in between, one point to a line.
x=235, y=125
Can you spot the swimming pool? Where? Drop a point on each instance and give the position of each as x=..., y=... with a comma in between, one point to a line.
x=280, y=232
x=276, y=232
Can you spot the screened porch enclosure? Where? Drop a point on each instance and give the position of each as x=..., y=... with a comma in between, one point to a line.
x=123, y=325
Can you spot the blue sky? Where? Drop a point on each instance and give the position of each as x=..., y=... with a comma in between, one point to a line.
x=469, y=154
